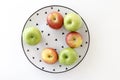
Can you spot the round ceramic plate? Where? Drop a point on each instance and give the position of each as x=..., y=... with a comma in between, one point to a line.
x=53, y=38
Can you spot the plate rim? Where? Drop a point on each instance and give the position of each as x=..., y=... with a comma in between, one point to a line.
x=63, y=7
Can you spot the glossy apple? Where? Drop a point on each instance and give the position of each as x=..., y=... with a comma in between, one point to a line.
x=55, y=20
x=49, y=55
x=72, y=22
x=74, y=39
x=68, y=56
x=32, y=35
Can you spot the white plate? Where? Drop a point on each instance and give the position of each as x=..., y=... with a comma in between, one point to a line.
x=49, y=37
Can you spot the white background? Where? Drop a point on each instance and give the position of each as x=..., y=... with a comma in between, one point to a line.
x=102, y=61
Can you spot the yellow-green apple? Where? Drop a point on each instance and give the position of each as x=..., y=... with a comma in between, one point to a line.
x=32, y=35
x=68, y=56
x=72, y=22
x=55, y=20
x=49, y=55
x=74, y=39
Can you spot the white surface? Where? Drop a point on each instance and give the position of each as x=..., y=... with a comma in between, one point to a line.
x=102, y=61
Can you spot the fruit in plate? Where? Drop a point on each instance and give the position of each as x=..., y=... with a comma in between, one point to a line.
x=72, y=22
x=49, y=55
x=32, y=35
x=55, y=20
x=68, y=56
x=74, y=39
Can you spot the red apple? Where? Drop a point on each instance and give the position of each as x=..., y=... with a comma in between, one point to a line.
x=49, y=55
x=74, y=39
x=55, y=20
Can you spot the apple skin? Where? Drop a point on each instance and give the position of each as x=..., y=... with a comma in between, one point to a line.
x=68, y=56
x=72, y=22
x=49, y=55
x=74, y=39
x=32, y=35
x=55, y=20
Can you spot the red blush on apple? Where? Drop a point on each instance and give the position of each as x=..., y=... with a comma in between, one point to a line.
x=55, y=20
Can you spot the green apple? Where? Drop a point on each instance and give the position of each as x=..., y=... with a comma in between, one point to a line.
x=68, y=56
x=72, y=22
x=32, y=35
